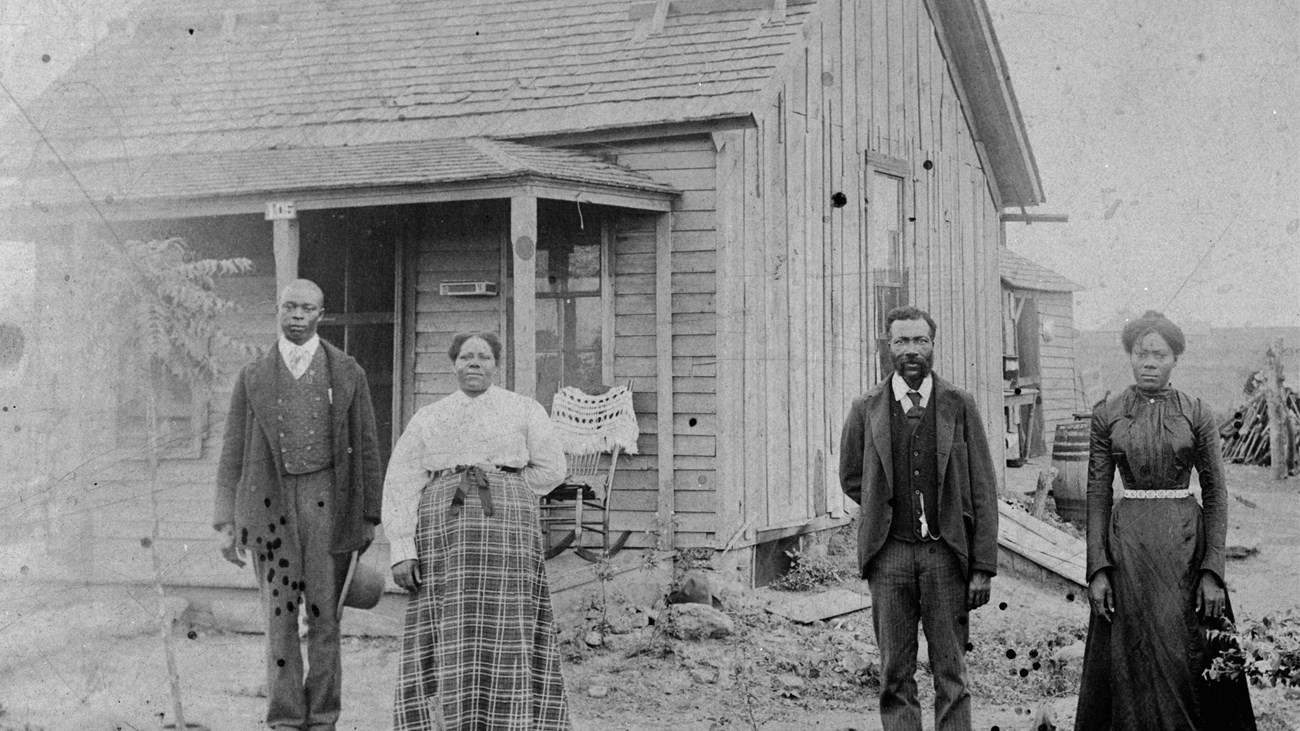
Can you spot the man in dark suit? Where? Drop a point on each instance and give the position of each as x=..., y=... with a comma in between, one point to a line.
x=914, y=456
x=299, y=486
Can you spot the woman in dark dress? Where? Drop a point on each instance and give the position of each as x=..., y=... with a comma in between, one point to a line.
x=1155, y=557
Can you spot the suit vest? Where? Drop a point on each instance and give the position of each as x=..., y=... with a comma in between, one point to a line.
x=303, y=416
x=912, y=445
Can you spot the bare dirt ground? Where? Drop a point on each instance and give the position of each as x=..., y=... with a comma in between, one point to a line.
x=86, y=659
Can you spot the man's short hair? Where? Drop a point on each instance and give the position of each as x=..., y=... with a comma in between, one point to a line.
x=908, y=312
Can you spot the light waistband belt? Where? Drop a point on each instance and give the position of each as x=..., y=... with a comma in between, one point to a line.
x=1156, y=494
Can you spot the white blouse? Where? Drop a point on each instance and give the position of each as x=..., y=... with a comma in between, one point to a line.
x=497, y=427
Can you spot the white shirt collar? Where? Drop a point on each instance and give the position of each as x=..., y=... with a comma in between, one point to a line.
x=288, y=347
x=901, y=388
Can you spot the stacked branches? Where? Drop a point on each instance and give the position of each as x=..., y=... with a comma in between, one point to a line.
x=1246, y=434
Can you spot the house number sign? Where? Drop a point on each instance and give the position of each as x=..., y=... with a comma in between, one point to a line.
x=280, y=211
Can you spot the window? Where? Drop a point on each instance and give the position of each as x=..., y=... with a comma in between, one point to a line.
x=352, y=254
x=571, y=277
x=887, y=255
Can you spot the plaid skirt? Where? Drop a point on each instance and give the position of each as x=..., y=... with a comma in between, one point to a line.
x=479, y=650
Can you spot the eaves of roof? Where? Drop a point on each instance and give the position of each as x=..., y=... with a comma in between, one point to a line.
x=967, y=34
x=281, y=172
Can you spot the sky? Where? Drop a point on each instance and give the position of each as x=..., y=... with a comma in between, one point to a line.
x=1167, y=130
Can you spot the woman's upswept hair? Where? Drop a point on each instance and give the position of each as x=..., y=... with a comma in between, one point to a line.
x=1153, y=322
x=492, y=339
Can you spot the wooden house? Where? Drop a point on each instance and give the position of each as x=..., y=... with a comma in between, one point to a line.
x=1038, y=333
x=714, y=201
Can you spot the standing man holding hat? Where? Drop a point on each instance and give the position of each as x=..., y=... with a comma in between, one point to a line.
x=914, y=457
x=299, y=487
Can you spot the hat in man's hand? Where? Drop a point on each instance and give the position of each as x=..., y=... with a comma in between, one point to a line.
x=362, y=587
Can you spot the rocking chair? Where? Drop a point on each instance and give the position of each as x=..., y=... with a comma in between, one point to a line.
x=594, y=430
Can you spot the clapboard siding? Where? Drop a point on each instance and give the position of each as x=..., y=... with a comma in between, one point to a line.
x=454, y=242
x=688, y=165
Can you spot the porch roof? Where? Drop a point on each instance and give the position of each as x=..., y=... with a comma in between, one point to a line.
x=1022, y=273
x=283, y=172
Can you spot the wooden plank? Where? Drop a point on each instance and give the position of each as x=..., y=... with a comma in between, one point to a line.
x=664, y=371
x=879, y=75
x=696, y=262
x=777, y=350
x=698, y=240
x=694, y=283
x=862, y=45
x=695, y=302
x=911, y=40
x=694, y=445
x=1046, y=546
x=729, y=304
x=793, y=200
x=404, y=329
x=832, y=175
x=523, y=238
x=897, y=80
x=923, y=45
x=754, y=335
x=284, y=232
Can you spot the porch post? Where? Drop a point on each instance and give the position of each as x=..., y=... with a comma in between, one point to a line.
x=284, y=231
x=664, y=376
x=523, y=238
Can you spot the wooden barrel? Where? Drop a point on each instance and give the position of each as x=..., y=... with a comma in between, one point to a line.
x=1070, y=458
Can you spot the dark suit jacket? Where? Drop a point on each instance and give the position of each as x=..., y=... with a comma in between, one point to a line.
x=968, y=501
x=248, y=477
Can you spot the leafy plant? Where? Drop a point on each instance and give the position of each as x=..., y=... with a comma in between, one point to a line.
x=167, y=326
x=1266, y=652
x=809, y=572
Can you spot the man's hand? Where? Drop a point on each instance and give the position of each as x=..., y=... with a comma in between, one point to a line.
x=977, y=593
x=407, y=575
x=1101, y=595
x=1210, y=596
x=226, y=542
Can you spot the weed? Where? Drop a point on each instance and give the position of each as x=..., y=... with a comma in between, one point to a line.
x=808, y=572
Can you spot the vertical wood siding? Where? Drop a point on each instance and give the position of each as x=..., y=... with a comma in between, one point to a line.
x=872, y=79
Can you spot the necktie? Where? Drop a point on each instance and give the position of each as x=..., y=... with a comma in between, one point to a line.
x=916, y=400
x=299, y=361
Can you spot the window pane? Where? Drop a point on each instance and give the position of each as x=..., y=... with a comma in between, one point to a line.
x=885, y=235
x=584, y=269
x=587, y=323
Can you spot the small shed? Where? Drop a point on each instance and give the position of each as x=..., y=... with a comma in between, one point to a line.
x=1041, y=387
x=714, y=201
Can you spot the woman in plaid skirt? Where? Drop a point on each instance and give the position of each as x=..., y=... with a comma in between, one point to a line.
x=479, y=649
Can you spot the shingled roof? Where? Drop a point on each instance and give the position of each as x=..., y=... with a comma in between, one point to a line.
x=323, y=73
x=1023, y=273
x=177, y=79
x=205, y=175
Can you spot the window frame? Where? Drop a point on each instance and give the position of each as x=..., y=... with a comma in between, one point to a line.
x=885, y=165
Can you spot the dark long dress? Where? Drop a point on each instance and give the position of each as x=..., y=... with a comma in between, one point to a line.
x=1142, y=669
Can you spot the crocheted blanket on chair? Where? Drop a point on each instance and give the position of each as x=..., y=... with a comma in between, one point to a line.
x=588, y=424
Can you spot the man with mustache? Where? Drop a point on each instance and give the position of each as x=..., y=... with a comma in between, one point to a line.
x=914, y=456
